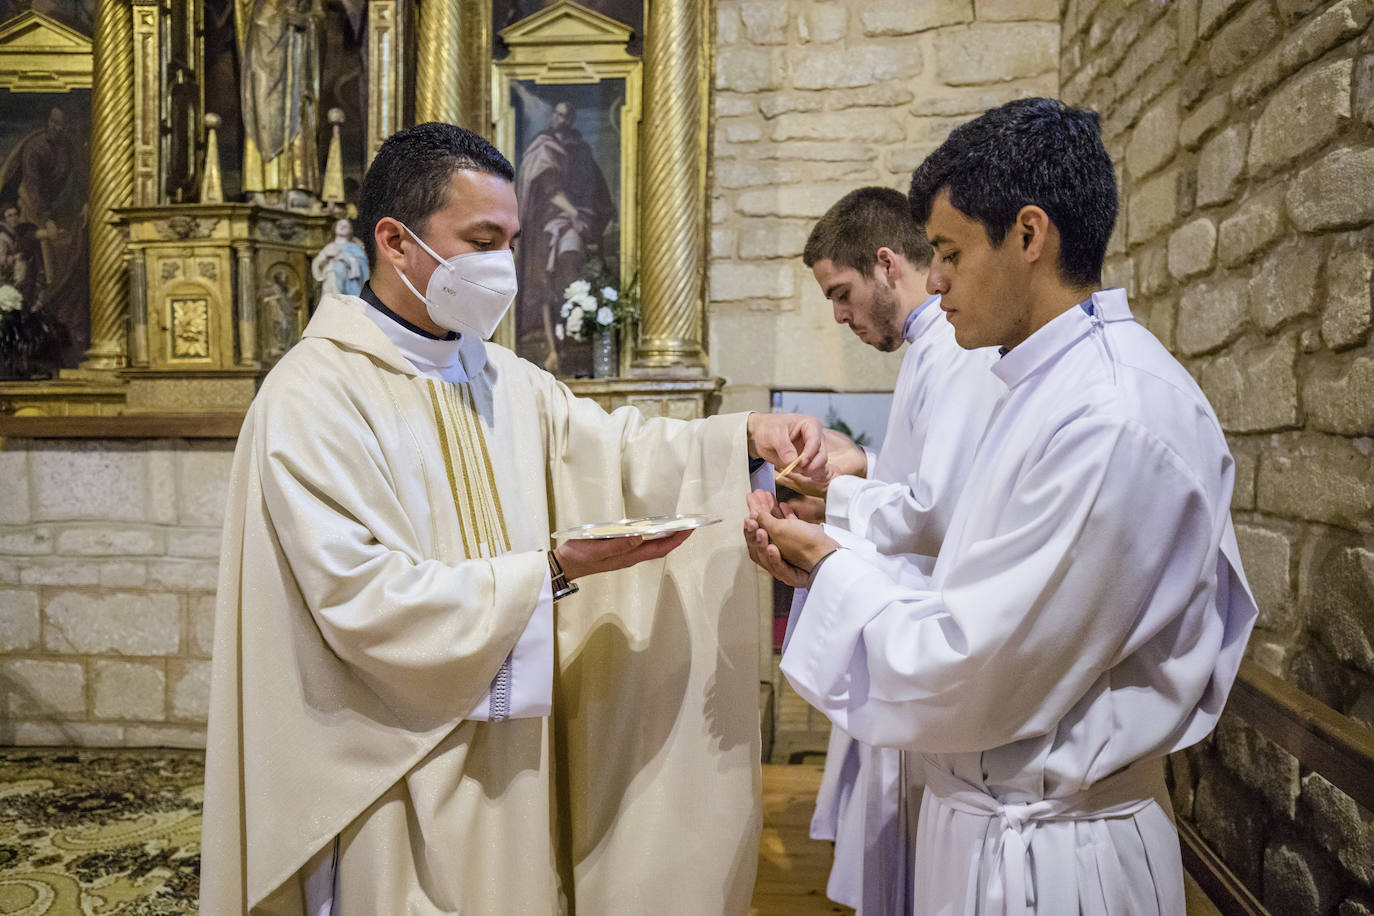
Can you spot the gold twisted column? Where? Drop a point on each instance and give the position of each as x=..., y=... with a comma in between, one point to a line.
x=112, y=181
x=672, y=188
x=474, y=90
x=447, y=89
x=438, y=65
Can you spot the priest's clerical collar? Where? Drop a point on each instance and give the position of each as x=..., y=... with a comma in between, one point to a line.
x=371, y=299
x=433, y=357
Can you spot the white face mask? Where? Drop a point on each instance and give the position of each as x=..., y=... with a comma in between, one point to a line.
x=469, y=293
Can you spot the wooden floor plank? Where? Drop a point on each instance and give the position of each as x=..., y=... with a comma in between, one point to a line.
x=793, y=868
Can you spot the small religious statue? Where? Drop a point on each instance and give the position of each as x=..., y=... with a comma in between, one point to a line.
x=279, y=50
x=341, y=265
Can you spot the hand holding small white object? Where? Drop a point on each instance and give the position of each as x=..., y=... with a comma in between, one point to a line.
x=791, y=441
x=843, y=458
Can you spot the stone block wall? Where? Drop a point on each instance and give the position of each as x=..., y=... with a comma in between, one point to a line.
x=1243, y=133
x=814, y=98
x=108, y=561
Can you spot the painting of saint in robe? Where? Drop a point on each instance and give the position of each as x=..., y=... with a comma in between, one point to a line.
x=567, y=183
x=44, y=186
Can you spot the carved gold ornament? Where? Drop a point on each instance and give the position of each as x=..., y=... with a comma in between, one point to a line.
x=190, y=328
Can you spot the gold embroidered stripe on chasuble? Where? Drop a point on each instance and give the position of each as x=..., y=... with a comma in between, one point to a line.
x=468, y=465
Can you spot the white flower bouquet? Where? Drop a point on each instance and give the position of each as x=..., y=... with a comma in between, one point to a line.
x=597, y=303
x=31, y=342
x=10, y=299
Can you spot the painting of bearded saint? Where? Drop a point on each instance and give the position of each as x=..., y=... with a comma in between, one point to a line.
x=567, y=171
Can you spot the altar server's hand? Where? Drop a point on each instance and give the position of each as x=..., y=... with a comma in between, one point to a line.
x=761, y=550
x=806, y=508
x=843, y=457
x=779, y=438
x=801, y=545
x=584, y=558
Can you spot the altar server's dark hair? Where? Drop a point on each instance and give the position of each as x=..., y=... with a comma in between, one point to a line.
x=409, y=176
x=861, y=222
x=1037, y=152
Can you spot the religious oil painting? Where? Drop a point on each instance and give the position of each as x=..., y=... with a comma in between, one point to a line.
x=44, y=187
x=568, y=149
x=506, y=13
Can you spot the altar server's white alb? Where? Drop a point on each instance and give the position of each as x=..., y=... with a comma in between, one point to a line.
x=1086, y=616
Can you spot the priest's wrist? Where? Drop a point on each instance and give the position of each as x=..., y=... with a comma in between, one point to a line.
x=750, y=424
x=558, y=579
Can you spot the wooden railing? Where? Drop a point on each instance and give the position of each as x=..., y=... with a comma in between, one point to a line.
x=1337, y=747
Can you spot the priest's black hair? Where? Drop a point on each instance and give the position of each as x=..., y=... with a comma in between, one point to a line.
x=1028, y=152
x=409, y=176
x=864, y=220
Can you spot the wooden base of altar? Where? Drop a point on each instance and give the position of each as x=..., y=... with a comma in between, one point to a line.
x=63, y=397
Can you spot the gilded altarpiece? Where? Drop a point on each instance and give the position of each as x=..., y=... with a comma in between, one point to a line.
x=172, y=270
x=187, y=350
x=664, y=169
x=189, y=299
x=566, y=112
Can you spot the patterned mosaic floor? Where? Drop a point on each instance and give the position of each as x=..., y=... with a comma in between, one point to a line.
x=98, y=832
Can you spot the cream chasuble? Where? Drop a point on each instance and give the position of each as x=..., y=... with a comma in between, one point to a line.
x=383, y=553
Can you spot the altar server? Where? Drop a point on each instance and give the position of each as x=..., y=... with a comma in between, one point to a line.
x=870, y=259
x=1087, y=611
x=393, y=690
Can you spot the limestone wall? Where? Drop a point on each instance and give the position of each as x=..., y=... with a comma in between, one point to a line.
x=814, y=99
x=1242, y=133
x=107, y=575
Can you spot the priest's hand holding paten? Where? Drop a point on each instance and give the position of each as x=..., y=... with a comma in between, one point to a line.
x=582, y=557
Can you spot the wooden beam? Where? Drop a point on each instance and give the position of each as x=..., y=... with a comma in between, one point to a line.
x=1323, y=740
x=1226, y=892
x=206, y=425
x=1336, y=746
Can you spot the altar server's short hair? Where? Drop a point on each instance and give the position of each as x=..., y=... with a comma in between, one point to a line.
x=1037, y=152
x=409, y=176
x=861, y=222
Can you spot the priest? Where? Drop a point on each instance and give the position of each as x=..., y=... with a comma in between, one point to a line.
x=870, y=259
x=414, y=709
x=1087, y=611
